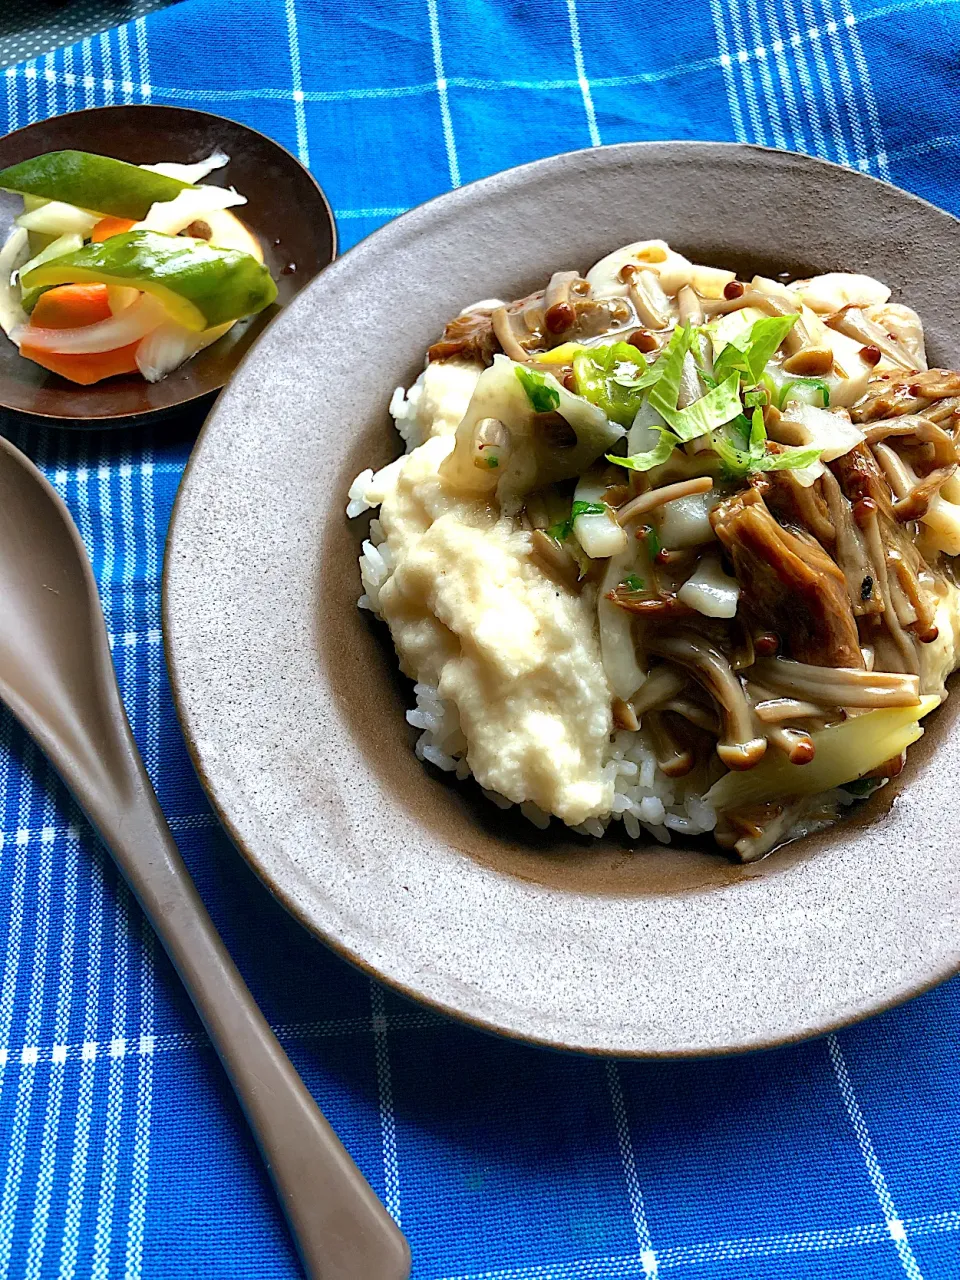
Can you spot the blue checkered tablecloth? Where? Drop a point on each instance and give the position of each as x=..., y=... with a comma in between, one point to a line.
x=122, y=1150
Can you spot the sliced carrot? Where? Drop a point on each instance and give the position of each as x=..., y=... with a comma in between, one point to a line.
x=68, y=307
x=110, y=226
x=86, y=369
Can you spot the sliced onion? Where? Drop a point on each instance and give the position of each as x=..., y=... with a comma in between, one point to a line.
x=191, y=205
x=105, y=335
x=191, y=172
x=13, y=254
x=60, y=247
x=55, y=218
x=169, y=345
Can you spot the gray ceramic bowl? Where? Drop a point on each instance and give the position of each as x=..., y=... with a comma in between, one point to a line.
x=294, y=712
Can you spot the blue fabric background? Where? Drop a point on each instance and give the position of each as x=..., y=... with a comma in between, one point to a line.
x=122, y=1152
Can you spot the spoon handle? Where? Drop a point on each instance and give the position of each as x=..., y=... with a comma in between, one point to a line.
x=341, y=1229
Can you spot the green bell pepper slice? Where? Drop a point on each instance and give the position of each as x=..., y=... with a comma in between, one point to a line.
x=200, y=286
x=97, y=183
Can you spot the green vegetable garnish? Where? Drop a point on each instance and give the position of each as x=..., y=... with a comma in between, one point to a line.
x=654, y=457
x=708, y=413
x=611, y=378
x=563, y=528
x=543, y=397
x=632, y=582
x=667, y=370
x=652, y=539
x=812, y=384
x=748, y=354
x=200, y=286
x=96, y=183
x=741, y=457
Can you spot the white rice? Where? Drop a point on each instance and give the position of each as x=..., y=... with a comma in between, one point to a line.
x=644, y=798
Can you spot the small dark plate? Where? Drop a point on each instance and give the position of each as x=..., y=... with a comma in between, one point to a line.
x=287, y=210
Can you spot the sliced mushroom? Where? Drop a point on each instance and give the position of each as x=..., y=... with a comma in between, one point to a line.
x=753, y=831
x=651, y=303
x=810, y=362
x=674, y=758
x=559, y=312
x=555, y=561
x=507, y=336
x=654, y=498
x=838, y=686
x=690, y=306
x=662, y=684
x=624, y=716
x=741, y=747
x=796, y=744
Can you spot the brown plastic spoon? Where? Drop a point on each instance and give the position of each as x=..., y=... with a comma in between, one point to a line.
x=57, y=677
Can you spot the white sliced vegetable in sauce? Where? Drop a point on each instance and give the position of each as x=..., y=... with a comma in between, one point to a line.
x=844, y=752
x=618, y=650
x=832, y=431
x=711, y=591
x=672, y=269
x=837, y=289
x=558, y=441
x=685, y=522
x=596, y=529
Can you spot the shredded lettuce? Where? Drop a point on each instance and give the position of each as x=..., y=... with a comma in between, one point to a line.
x=747, y=354
x=654, y=457
x=543, y=397
x=666, y=371
x=711, y=411
x=742, y=448
x=612, y=378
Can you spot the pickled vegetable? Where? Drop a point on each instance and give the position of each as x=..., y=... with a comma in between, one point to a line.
x=99, y=184
x=199, y=286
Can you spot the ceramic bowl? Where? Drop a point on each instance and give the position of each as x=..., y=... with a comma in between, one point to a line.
x=294, y=711
x=286, y=209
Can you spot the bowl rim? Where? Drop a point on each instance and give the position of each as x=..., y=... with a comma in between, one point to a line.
x=402, y=225
x=141, y=417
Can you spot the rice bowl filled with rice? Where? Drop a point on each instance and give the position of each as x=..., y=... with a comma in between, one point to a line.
x=672, y=549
